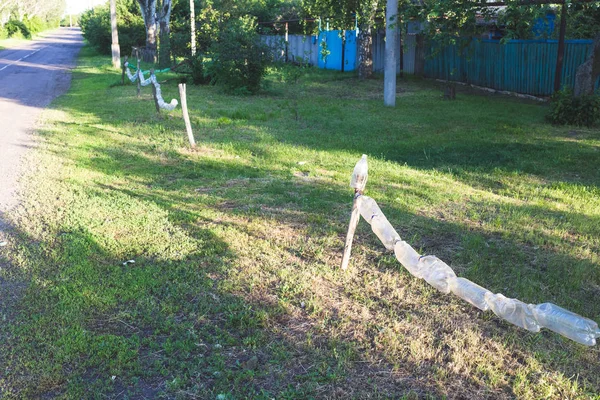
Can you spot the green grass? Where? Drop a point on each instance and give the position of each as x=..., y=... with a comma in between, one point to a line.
x=9, y=43
x=236, y=291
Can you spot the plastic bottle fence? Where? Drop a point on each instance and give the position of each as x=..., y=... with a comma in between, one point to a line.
x=439, y=275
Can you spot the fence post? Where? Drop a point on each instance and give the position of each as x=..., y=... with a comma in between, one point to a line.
x=186, y=117
x=123, y=71
x=139, y=87
x=154, y=93
x=561, y=48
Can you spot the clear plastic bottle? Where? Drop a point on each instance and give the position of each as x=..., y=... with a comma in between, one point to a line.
x=567, y=323
x=470, y=292
x=514, y=311
x=408, y=257
x=360, y=174
x=436, y=272
x=384, y=231
x=368, y=208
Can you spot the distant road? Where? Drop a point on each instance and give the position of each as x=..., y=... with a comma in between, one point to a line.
x=31, y=76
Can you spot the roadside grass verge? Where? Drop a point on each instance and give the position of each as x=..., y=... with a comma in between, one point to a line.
x=16, y=41
x=236, y=291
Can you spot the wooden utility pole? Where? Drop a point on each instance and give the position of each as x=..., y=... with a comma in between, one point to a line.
x=116, y=49
x=193, y=27
x=561, y=48
x=391, y=37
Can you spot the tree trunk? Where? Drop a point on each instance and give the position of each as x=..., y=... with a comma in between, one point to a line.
x=164, y=51
x=193, y=27
x=588, y=72
x=365, y=53
x=148, y=10
x=116, y=49
x=365, y=40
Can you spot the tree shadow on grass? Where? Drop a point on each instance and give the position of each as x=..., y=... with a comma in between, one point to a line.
x=90, y=324
x=409, y=335
x=316, y=332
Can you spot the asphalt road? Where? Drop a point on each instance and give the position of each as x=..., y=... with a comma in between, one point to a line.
x=31, y=76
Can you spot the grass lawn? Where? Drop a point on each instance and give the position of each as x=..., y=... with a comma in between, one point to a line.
x=14, y=42
x=236, y=292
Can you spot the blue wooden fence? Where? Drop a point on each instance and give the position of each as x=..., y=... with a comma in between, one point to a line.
x=523, y=66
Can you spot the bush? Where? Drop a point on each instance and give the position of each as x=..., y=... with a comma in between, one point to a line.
x=16, y=28
x=3, y=33
x=199, y=76
x=238, y=57
x=566, y=109
x=34, y=24
x=95, y=25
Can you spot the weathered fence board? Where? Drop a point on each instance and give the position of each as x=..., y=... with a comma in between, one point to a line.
x=300, y=48
x=409, y=49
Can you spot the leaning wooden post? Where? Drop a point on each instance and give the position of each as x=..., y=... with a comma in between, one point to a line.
x=139, y=86
x=358, y=182
x=186, y=117
x=123, y=70
x=154, y=92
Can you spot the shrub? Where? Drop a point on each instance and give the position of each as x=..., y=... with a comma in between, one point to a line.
x=199, y=76
x=16, y=28
x=34, y=24
x=238, y=57
x=3, y=33
x=566, y=109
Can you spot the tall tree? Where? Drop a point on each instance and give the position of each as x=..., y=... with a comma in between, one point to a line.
x=116, y=50
x=164, y=17
x=148, y=9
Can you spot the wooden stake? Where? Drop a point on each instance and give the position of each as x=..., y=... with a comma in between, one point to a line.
x=186, y=117
x=123, y=71
x=561, y=48
x=154, y=93
x=139, y=86
x=354, y=218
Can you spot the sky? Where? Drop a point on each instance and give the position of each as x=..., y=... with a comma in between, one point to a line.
x=77, y=6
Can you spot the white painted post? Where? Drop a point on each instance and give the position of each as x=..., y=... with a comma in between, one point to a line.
x=391, y=37
x=186, y=117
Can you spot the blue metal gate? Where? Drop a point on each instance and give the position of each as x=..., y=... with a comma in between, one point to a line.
x=337, y=50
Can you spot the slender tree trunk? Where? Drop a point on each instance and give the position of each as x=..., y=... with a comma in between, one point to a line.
x=116, y=49
x=561, y=48
x=365, y=53
x=193, y=27
x=365, y=41
x=164, y=52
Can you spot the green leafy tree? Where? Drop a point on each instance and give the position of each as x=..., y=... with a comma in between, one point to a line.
x=238, y=57
x=95, y=25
